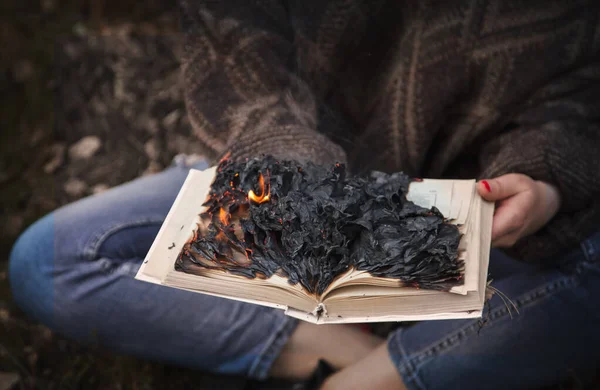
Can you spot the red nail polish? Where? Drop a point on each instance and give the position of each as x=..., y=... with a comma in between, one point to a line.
x=487, y=185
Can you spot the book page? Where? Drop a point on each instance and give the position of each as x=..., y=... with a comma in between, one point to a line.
x=274, y=292
x=452, y=197
x=389, y=305
x=487, y=218
x=462, y=197
x=432, y=192
x=177, y=227
x=471, y=248
x=362, y=279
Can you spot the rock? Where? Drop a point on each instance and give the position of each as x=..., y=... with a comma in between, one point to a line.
x=80, y=29
x=151, y=149
x=85, y=147
x=153, y=167
x=32, y=358
x=75, y=187
x=98, y=188
x=8, y=380
x=37, y=136
x=45, y=333
x=187, y=160
x=48, y=5
x=100, y=107
x=57, y=159
x=171, y=119
x=152, y=127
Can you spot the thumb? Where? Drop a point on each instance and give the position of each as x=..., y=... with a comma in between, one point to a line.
x=502, y=187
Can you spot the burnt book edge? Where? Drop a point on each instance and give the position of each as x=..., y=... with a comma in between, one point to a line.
x=182, y=219
x=174, y=232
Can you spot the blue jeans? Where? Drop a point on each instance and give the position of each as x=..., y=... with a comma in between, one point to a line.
x=73, y=270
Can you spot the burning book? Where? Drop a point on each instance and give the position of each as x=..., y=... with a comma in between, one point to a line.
x=325, y=246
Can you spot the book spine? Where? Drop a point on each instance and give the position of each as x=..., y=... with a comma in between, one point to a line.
x=319, y=311
x=302, y=315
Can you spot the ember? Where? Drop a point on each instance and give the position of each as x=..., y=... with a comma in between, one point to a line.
x=311, y=224
x=223, y=216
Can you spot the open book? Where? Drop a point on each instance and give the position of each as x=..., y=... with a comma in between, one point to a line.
x=355, y=296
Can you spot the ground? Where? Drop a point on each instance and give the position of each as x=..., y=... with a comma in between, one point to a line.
x=90, y=99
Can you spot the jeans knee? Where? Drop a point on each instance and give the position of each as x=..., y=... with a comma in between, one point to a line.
x=30, y=270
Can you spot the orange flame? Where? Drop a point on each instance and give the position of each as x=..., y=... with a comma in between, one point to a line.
x=265, y=195
x=223, y=216
x=225, y=157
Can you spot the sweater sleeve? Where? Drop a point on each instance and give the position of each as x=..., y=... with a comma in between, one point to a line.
x=241, y=90
x=556, y=139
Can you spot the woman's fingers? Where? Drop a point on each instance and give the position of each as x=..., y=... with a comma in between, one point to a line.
x=523, y=206
x=506, y=241
x=503, y=186
x=512, y=193
x=508, y=218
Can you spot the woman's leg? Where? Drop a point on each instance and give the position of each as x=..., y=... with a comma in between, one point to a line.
x=73, y=270
x=554, y=336
x=339, y=345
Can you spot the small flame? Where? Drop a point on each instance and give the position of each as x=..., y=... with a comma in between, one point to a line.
x=265, y=194
x=225, y=157
x=223, y=216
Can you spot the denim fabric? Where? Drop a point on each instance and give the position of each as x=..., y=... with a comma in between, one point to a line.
x=74, y=271
x=555, y=336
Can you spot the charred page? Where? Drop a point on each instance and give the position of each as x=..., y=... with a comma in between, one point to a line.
x=312, y=225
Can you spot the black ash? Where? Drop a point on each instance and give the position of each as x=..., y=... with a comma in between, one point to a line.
x=311, y=224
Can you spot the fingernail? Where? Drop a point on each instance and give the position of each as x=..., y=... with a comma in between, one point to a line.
x=486, y=185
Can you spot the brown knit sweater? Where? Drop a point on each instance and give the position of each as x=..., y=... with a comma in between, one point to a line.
x=457, y=88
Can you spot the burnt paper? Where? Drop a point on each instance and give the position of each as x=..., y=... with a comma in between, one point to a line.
x=311, y=224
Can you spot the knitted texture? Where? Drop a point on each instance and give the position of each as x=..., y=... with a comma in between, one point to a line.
x=463, y=88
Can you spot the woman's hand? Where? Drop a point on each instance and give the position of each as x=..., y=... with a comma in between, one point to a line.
x=523, y=206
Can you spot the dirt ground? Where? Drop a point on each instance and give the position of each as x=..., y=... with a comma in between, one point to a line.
x=90, y=99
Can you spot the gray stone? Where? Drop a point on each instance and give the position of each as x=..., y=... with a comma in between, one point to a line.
x=8, y=380
x=85, y=147
x=75, y=187
x=57, y=158
x=151, y=149
x=38, y=135
x=152, y=127
x=171, y=119
x=98, y=188
x=48, y=5
x=153, y=167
